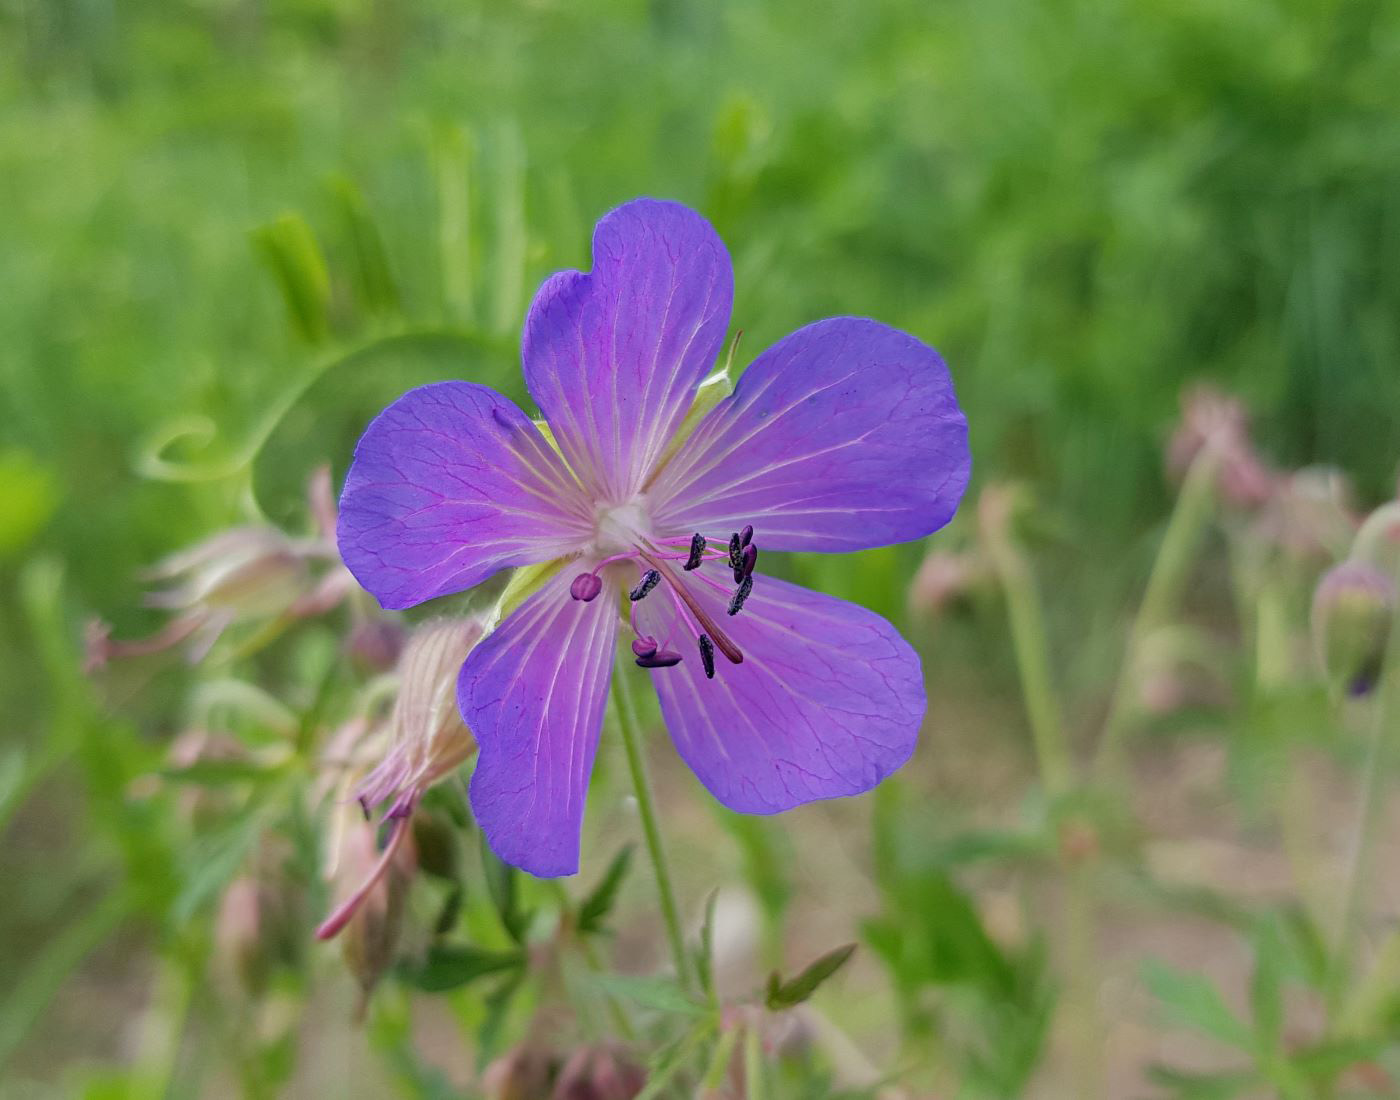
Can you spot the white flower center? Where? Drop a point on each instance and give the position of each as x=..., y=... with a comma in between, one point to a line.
x=622, y=526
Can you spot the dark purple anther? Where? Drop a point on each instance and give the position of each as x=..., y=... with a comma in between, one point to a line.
x=750, y=558
x=746, y=535
x=663, y=658
x=650, y=579
x=697, y=552
x=586, y=586
x=736, y=551
x=736, y=601
x=644, y=646
x=707, y=656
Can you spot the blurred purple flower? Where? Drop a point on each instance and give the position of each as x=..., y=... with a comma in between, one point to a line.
x=843, y=436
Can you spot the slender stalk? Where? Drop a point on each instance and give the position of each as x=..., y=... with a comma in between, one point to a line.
x=1170, y=571
x=1028, y=636
x=646, y=808
x=755, y=1085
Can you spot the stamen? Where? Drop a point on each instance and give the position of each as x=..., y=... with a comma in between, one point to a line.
x=746, y=535
x=664, y=658
x=645, y=646
x=750, y=558
x=586, y=586
x=697, y=552
x=736, y=601
x=736, y=550
x=707, y=656
x=707, y=624
x=650, y=579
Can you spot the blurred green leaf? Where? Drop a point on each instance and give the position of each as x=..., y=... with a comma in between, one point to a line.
x=502, y=883
x=289, y=249
x=786, y=994
x=450, y=966
x=30, y=492
x=660, y=994
x=1193, y=1001
x=594, y=909
x=1202, y=1086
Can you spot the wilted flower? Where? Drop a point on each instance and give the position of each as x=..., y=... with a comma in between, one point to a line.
x=1352, y=615
x=843, y=436
x=245, y=574
x=372, y=915
x=428, y=737
x=602, y=1072
x=427, y=740
x=945, y=576
x=1216, y=421
x=1310, y=515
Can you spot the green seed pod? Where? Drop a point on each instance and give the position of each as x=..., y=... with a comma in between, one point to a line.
x=1353, y=609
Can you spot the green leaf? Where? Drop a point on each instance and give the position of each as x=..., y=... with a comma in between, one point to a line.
x=1201, y=1086
x=705, y=956
x=599, y=903
x=289, y=249
x=798, y=989
x=1192, y=1001
x=660, y=994
x=449, y=966
x=1266, y=987
x=374, y=282
x=502, y=883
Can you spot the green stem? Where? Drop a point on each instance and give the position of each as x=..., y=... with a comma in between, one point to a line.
x=755, y=1085
x=646, y=808
x=1170, y=571
x=1029, y=639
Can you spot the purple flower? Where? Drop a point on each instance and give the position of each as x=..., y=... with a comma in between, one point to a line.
x=843, y=436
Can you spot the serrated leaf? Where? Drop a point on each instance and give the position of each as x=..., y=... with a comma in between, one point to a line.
x=1192, y=1001
x=798, y=989
x=450, y=966
x=599, y=903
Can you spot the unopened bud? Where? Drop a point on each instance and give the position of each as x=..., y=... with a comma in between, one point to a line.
x=1352, y=612
x=1378, y=540
x=435, y=841
x=525, y=1072
x=599, y=1073
x=239, y=935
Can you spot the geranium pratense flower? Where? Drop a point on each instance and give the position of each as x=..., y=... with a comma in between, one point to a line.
x=843, y=436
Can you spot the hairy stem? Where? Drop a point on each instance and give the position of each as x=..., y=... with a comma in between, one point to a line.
x=1170, y=571
x=646, y=808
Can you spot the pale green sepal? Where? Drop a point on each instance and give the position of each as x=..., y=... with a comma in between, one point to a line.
x=718, y=385
x=523, y=583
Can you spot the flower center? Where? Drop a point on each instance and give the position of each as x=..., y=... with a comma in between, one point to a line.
x=622, y=537
x=622, y=527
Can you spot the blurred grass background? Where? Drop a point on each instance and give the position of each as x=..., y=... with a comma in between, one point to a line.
x=209, y=206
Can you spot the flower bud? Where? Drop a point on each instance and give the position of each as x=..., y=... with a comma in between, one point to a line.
x=429, y=739
x=238, y=935
x=1378, y=540
x=525, y=1072
x=1353, y=609
x=601, y=1072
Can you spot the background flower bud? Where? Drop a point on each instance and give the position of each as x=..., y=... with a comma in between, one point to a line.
x=599, y=1073
x=525, y=1072
x=1352, y=612
x=371, y=937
